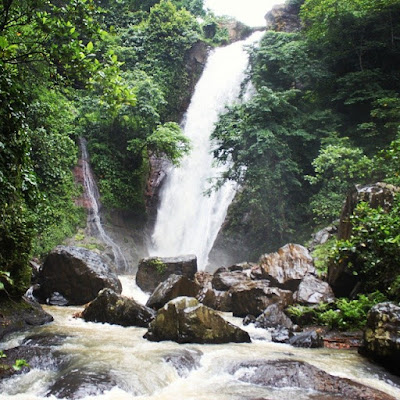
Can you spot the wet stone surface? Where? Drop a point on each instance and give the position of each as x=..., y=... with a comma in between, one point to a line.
x=78, y=383
x=184, y=361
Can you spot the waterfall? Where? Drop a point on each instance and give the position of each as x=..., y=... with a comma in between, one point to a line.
x=188, y=221
x=94, y=221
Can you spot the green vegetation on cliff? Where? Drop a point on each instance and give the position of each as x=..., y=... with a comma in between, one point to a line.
x=110, y=70
x=324, y=117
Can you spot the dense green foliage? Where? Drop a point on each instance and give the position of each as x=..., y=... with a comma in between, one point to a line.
x=373, y=250
x=44, y=48
x=62, y=75
x=324, y=117
x=343, y=314
x=151, y=46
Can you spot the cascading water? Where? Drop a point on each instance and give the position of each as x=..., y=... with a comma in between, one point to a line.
x=94, y=224
x=188, y=221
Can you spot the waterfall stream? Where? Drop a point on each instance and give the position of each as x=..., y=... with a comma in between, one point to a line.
x=188, y=221
x=94, y=224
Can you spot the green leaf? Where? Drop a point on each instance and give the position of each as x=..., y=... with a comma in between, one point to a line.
x=3, y=42
x=89, y=46
x=19, y=364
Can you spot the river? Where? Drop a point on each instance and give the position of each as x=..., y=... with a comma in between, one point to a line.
x=138, y=369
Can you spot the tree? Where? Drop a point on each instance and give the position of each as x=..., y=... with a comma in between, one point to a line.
x=39, y=40
x=338, y=167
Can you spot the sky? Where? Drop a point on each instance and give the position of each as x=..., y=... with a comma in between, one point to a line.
x=251, y=12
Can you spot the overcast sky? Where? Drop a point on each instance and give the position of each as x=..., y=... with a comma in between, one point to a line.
x=251, y=12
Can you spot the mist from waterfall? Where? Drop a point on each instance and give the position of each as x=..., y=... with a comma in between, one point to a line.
x=94, y=224
x=188, y=221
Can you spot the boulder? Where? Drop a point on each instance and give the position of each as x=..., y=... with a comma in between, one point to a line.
x=39, y=351
x=203, y=279
x=298, y=374
x=309, y=339
x=17, y=315
x=313, y=291
x=382, y=336
x=283, y=18
x=75, y=275
x=215, y=299
x=81, y=383
x=184, y=361
x=174, y=286
x=112, y=308
x=254, y=297
x=323, y=235
x=287, y=267
x=185, y=320
x=281, y=335
x=154, y=270
x=273, y=317
x=342, y=281
x=224, y=280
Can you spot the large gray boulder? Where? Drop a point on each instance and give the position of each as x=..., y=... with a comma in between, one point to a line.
x=185, y=320
x=254, y=297
x=273, y=317
x=174, y=286
x=215, y=299
x=154, y=270
x=313, y=291
x=287, y=267
x=225, y=279
x=308, y=339
x=382, y=336
x=75, y=275
x=112, y=308
x=298, y=374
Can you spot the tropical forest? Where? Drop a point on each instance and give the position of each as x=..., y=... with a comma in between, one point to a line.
x=195, y=206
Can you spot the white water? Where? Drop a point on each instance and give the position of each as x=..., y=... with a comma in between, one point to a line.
x=93, y=196
x=139, y=369
x=188, y=221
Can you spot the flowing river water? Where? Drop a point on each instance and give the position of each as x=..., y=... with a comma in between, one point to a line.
x=111, y=362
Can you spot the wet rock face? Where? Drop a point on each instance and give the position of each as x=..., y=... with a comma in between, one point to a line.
x=184, y=361
x=287, y=267
x=309, y=340
x=217, y=300
x=20, y=315
x=110, y=307
x=254, y=297
x=272, y=317
x=39, y=351
x=185, y=320
x=283, y=18
x=174, y=286
x=77, y=384
x=74, y=275
x=298, y=374
x=313, y=291
x=322, y=236
x=154, y=270
x=382, y=336
x=226, y=279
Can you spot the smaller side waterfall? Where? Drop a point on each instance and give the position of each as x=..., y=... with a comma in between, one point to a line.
x=93, y=196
